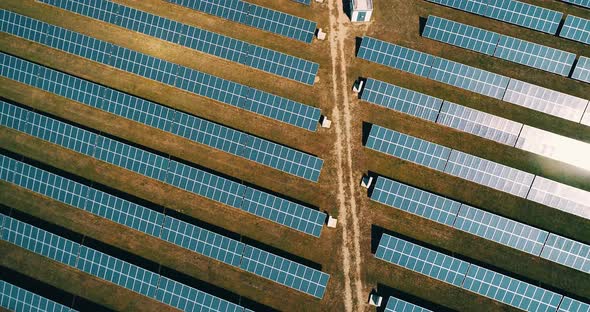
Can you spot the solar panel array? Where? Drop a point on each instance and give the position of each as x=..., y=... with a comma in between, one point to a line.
x=583, y=3
x=19, y=299
x=510, y=11
x=193, y=81
x=466, y=275
x=501, y=46
x=221, y=46
x=460, y=216
x=479, y=170
x=576, y=28
x=571, y=305
x=173, y=121
x=400, y=99
x=567, y=252
x=202, y=183
x=473, y=79
x=107, y=267
x=582, y=69
x=398, y=305
x=257, y=16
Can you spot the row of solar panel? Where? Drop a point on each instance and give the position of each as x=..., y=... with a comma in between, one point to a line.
x=199, y=83
x=165, y=170
x=398, y=305
x=483, y=224
x=510, y=11
x=576, y=28
x=473, y=278
x=256, y=16
x=180, y=233
x=474, y=79
x=15, y=298
x=476, y=122
x=582, y=3
x=505, y=47
x=225, y=47
x=109, y=268
x=176, y=122
x=479, y=170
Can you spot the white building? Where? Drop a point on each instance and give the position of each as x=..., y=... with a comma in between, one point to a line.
x=361, y=10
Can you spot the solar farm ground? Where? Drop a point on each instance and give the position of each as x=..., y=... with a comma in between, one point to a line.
x=362, y=221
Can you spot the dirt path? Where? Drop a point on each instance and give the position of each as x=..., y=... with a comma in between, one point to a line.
x=348, y=211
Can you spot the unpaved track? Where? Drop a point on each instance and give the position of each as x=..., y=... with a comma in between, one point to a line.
x=348, y=210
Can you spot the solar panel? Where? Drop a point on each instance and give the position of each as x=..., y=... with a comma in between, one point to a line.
x=282, y=211
x=39, y=241
x=571, y=305
x=476, y=122
x=187, y=298
x=582, y=69
x=535, y=55
x=461, y=35
x=15, y=298
x=116, y=271
x=489, y=173
x=395, y=56
x=398, y=305
x=408, y=148
x=472, y=6
x=560, y=196
x=422, y=260
x=468, y=78
x=415, y=201
x=202, y=241
x=111, y=269
x=525, y=15
x=510, y=291
x=190, y=80
x=284, y=271
x=554, y=146
x=197, y=181
x=400, y=99
x=576, y=28
x=545, y=100
x=257, y=16
x=500, y=230
x=567, y=252
x=204, y=41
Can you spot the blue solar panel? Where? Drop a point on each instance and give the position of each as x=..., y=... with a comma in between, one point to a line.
x=408, y=147
x=582, y=69
x=18, y=299
x=39, y=241
x=395, y=56
x=525, y=15
x=256, y=16
x=415, y=201
x=510, y=291
x=190, y=299
x=489, y=173
x=462, y=35
x=205, y=41
x=501, y=230
x=68, y=86
x=567, y=252
x=571, y=305
x=535, y=55
x=398, y=305
x=422, y=260
x=400, y=99
x=576, y=28
x=193, y=81
x=169, y=171
x=112, y=269
x=583, y=3
x=468, y=78
x=482, y=124
x=285, y=272
x=202, y=241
